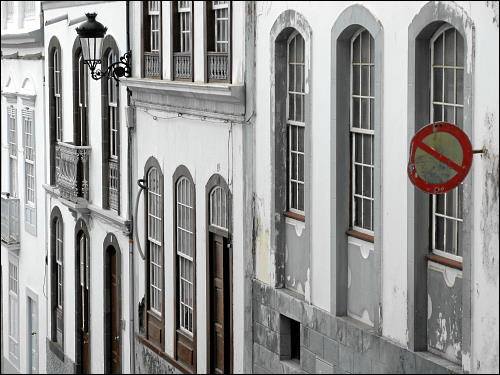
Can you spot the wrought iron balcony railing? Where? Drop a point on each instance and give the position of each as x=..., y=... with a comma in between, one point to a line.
x=182, y=65
x=72, y=170
x=218, y=66
x=10, y=219
x=152, y=65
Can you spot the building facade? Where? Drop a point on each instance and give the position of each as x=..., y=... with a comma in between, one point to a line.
x=24, y=241
x=241, y=203
x=88, y=314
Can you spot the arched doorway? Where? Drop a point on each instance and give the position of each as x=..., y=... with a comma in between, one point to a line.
x=219, y=274
x=112, y=306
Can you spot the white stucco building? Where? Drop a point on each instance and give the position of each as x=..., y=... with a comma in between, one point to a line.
x=23, y=246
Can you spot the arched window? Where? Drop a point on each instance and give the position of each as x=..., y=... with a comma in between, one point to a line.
x=110, y=130
x=295, y=123
x=362, y=131
x=218, y=208
x=80, y=98
x=55, y=104
x=57, y=278
x=447, y=98
x=155, y=223
x=155, y=305
x=185, y=265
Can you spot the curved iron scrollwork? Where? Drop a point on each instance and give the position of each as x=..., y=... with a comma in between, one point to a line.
x=116, y=70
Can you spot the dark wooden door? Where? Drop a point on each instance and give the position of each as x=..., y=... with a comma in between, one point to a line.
x=220, y=305
x=115, y=314
x=84, y=307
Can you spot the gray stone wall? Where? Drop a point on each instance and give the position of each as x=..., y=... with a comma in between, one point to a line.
x=148, y=362
x=328, y=344
x=57, y=366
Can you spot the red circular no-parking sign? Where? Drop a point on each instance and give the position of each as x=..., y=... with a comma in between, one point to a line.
x=440, y=157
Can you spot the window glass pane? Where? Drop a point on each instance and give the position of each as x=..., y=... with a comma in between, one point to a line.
x=438, y=51
x=438, y=84
x=449, y=49
x=460, y=50
x=356, y=79
x=449, y=85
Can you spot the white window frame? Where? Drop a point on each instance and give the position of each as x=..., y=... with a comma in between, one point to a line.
x=218, y=208
x=295, y=125
x=185, y=254
x=155, y=228
x=57, y=95
x=185, y=26
x=13, y=344
x=154, y=8
x=29, y=10
x=9, y=9
x=360, y=131
x=455, y=194
x=29, y=156
x=13, y=150
x=218, y=7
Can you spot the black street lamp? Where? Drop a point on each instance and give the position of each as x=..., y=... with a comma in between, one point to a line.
x=91, y=33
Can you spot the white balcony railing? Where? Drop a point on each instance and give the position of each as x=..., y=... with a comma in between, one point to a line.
x=72, y=170
x=152, y=65
x=10, y=219
x=182, y=65
x=218, y=66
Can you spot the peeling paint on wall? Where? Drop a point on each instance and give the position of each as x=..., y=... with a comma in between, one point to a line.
x=494, y=6
x=490, y=207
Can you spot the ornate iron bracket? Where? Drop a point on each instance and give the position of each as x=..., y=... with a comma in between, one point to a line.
x=122, y=68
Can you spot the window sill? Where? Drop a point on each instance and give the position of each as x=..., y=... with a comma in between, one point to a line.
x=445, y=261
x=361, y=236
x=293, y=215
x=143, y=340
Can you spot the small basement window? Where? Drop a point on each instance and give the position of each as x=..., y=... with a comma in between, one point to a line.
x=289, y=339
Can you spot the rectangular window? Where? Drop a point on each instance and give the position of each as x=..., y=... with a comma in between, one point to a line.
x=362, y=132
x=29, y=9
x=29, y=156
x=296, y=123
x=218, y=28
x=155, y=228
x=152, y=39
x=10, y=10
x=182, y=27
x=185, y=253
x=447, y=102
x=12, y=139
x=13, y=314
x=289, y=339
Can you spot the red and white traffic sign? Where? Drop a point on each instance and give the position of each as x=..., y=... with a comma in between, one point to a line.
x=440, y=157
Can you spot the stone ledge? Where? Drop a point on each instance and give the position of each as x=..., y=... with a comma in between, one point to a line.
x=222, y=101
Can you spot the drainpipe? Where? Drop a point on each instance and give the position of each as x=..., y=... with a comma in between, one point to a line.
x=130, y=217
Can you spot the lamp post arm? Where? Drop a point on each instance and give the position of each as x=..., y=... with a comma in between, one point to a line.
x=122, y=68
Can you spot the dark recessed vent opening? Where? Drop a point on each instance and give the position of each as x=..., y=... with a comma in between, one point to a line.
x=289, y=339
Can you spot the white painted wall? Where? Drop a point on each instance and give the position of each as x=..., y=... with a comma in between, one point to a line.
x=31, y=271
x=395, y=19
x=113, y=16
x=202, y=146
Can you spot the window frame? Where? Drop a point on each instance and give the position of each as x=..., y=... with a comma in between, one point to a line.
x=57, y=94
x=187, y=339
x=292, y=124
x=29, y=156
x=57, y=279
x=12, y=137
x=184, y=70
x=154, y=320
x=354, y=131
x=150, y=35
x=13, y=329
x=457, y=193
